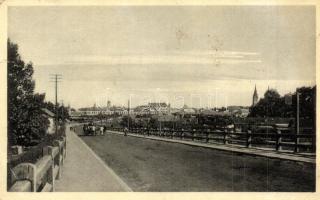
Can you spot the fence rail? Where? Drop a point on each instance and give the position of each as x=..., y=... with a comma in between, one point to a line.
x=40, y=177
x=279, y=138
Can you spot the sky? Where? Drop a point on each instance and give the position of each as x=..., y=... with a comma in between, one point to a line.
x=201, y=56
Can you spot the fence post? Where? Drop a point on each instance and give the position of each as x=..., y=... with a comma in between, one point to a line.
x=56, y=143
x=65, y=147
x=50, y=176
x=225, y=137
x=193, y=133
x=181, y=132
x=249, y=138
x=279, y=139
x=296, y=142
x=25, y=171
x=313, y=142
x=207, y=135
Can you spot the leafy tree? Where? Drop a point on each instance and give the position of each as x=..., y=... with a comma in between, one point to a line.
x=50, y=106
x=153, y=123
x=269, y=106
x=307, y=102
x=124, y=121
x=273, y=105
x=25, y=118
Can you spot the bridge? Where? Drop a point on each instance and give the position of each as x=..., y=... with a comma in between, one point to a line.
x=153, y=163
x=117, y=163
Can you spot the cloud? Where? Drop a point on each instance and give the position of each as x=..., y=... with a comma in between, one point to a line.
x=220, y=53
x=174, y=58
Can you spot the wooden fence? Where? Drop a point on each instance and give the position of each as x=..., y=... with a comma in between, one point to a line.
x=275, y=137
x=40, y=177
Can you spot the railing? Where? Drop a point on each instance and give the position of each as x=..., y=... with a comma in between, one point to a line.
x=279, y=138
x=41, y=176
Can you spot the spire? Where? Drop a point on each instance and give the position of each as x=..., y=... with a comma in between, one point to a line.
x=255, y=96
x=94, y=106
x=255, y=93
x=128, y=106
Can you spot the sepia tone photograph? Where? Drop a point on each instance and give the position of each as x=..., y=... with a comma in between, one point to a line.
x=161, y=98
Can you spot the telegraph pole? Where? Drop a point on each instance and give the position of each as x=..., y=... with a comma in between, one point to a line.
x=62, y=113
x=56, y=78
x=297, y=122
x=128, y=114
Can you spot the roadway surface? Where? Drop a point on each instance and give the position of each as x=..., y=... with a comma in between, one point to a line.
x=150, y=165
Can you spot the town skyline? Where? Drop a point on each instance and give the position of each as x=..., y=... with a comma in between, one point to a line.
x=198, y=104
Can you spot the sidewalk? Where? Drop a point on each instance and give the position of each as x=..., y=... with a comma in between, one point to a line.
x=84, y=171
x=235, y=148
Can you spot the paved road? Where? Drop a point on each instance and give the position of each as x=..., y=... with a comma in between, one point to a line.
x=83, y=171
x=148, y=165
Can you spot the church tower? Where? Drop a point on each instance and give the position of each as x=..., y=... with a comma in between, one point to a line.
x=255, y=96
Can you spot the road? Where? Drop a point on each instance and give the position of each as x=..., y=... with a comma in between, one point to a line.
x=149, y=165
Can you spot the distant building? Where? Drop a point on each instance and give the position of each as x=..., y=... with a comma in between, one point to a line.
x=75, y=114
x=233, y=109
x=156, y=105
x=153, y=109
x=185, y=111
x=51, y=117
x=189, y=111
x=243, y=112
x=95, y=111
x=255, y=96
x=213, y=112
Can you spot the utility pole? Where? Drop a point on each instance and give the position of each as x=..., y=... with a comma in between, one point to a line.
x=297, y=122
x=128, y=114
x=56, y=78
x=62, y=113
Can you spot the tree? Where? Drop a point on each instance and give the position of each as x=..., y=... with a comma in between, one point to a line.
x=153, y=123
x=307, y=105
x=25, y=118
x=124, y=121
x=269, y=106
x=50, y=106
x=273, y=105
